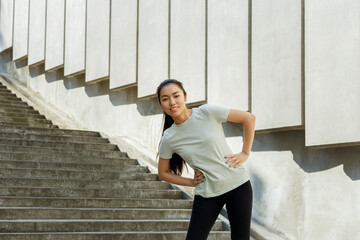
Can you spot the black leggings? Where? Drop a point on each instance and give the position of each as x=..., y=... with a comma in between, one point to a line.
x=206, y=210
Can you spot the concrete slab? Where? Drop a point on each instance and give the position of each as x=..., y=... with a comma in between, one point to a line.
x=97, y=40
x=55, y=23
x=123, y=48
x=332, y=86
x=188, y=45
x=228, y=53
x=6, y=24
x=153, y=57
x=21, y=29
x=37, y=16
x=276, y=64
x=75, y=26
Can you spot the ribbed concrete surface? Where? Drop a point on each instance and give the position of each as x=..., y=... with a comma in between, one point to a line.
x=69, y=184
x=174, y=235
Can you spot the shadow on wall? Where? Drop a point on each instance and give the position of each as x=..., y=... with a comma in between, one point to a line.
x=309, y=160
x=122, y=97
x=74, y=82
x=5, y=58
x=1, y=37
x=37, y=70
x=54, y=76
x=126, y=96
x=21, y=64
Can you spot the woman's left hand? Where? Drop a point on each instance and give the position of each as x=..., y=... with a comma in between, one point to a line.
x=235, y=160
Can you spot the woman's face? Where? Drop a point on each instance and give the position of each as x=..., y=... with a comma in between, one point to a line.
x=172, y=100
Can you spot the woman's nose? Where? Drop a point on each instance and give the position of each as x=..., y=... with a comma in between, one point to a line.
x=171, y=101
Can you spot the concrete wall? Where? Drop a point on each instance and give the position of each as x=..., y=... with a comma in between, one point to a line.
x=187, y=50
x=97, y=40
x=332, y=92
x=123, y=48
x=243, y=54
x=153, y=64
x=37, y=19
x=75, y=26
x=227, y=53
x=6, y=24
x=20, y=30
x=276, y=63
x=55, y=22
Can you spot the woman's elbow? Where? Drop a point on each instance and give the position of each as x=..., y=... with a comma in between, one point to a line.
x=252, y=117
x=161, y=175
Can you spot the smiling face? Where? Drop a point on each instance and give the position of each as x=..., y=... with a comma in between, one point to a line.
x=173, y=100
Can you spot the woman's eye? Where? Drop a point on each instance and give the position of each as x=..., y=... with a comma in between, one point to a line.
x=177, y=96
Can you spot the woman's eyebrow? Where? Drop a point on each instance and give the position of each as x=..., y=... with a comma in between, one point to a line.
x=167, y=95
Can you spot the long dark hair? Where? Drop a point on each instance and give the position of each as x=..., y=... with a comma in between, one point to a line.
x=176, y=161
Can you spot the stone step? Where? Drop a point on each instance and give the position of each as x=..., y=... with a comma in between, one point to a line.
x=43, y=157
x=28, y=110
x=15, y=107
x=26, y=124
x=90, y=193
x=71, y=166
x=10, y=97
x=42, y=137
x=88, y=225
x=47, y=131
x=6, y=118
x=21, y=201
x=92, y=213
x=22, y=115
x=62, y=151
x=7, y=93
x=83, y=184
x=151, y=235
x=66, y=146
x=4, y=90
x=8, y=103
x=76, y=174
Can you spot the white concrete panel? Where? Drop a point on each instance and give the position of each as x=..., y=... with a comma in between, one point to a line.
x=228, y=53
x=123, y=48
x=153, y=45
x=97, y=40
x=332, y=87
x=6, y=24
x=75, y=26
x=187, y=46
x=37, y=32
x=21, y=29
x=276, y=64
x=55, y=29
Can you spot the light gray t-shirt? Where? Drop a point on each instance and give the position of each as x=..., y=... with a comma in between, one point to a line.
x=200, y=141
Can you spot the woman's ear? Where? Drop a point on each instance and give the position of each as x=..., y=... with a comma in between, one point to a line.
x=185, y=97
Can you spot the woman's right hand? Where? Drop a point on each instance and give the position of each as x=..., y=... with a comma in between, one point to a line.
x=198, y=177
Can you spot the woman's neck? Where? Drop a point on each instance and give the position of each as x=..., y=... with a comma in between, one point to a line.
x=183, y=117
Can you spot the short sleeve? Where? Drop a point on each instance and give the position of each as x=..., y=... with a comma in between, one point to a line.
x=218, y=112
x=164, y=149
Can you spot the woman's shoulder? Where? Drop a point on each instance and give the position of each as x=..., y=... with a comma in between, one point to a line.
x=202, y=108
x=216, y=111
x=208, y=108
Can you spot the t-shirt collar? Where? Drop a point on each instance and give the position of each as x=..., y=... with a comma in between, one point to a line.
x=187, y=121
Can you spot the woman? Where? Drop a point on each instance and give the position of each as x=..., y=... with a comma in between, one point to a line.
x=196, y=136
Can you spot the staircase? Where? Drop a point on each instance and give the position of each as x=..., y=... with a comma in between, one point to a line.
x=69, y=184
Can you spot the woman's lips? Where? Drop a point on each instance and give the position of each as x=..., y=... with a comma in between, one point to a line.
x=173, y=109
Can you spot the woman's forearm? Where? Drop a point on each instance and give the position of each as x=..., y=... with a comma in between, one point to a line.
x=176, y=179
x=249, y=133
